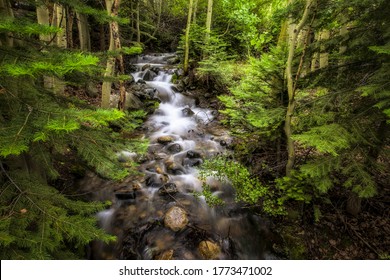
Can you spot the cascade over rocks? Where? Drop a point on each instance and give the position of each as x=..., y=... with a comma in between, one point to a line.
x=156, y=215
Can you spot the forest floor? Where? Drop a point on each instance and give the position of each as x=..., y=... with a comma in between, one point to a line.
x=338, y=235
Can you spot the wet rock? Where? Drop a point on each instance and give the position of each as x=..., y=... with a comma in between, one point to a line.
x=193, y=154
x=169, y=188
x=125, y=195
x=176, y=89
x=165, y=139
x=156, y=180
x=174, y=168
x=146, y=66
x=209, y=250
x=192, y=162
x=187, y=112
x=141, y=81
x=149, y=75
x=155, y=69
x=223, y=143
x=174, y=148
x=167, y=255
x=176, y=218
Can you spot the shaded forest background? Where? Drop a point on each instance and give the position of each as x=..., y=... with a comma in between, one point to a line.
x=303, y=85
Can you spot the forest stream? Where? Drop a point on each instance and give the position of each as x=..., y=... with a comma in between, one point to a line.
x=163, y=214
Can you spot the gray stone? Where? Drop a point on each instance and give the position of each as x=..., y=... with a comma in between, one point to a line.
x=174, y=148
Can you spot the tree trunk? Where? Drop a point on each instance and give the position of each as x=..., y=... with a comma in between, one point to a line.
x=43, y=17
x=69, y=27
x=59, y=20
x=119, y=58
x=187, y=38
x=6, y=11
x=195, y=11
x=324, y=56
x=110, y=68
x=293, y=35
x=208, y=20
x=84, y=35
x=138, y=23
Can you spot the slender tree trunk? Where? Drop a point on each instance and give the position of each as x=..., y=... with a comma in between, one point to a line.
x=195, y=11
x=208, y=20
x=187, y=38
x=293, y=35
x=119, y=58
x=138, y=23
x=110, y=68
x=60, y=21
x=6, y=11
x=324, y=56
x=43, y=17
x=69, y=27
x=84, y=35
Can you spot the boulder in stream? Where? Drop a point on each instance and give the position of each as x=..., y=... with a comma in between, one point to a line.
x=187, y=112
x=165, y=139
x=209, y=250
x=149, y=75
x=176, y=218
x=174, y=148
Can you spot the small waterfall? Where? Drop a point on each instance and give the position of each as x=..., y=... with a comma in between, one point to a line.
x=163, y=218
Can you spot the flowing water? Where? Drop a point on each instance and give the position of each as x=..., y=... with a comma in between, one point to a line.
x=158, y=215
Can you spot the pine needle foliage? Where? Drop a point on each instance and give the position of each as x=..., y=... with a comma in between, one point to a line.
x=40, y=130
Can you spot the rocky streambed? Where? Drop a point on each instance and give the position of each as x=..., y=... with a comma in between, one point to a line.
x=161, y=213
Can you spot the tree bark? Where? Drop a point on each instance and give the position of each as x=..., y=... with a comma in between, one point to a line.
x=293, y=35
x=208, y=20
x=324, y=56
x=110, y=68
x=195, y=10
x=84, y=35
x=119, y=58
x=6, y=11
x=187, y=38
x=138, y=23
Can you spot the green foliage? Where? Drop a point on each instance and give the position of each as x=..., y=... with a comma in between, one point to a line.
x=23, y=27
x=42, y=132
x=255, y=103
x=248, y=188
x=211, y=199
x=38, y=221
x=326, y=138
x=57, y=64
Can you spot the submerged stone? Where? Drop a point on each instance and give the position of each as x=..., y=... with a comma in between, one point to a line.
x=209, y=250
x=176, y=218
